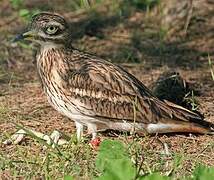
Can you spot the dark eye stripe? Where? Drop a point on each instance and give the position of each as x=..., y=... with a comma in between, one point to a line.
x=50, y=38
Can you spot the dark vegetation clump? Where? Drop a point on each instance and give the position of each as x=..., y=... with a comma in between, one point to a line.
x=172, y=87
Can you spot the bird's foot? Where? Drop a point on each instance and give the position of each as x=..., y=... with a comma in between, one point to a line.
x=53, y=139
x=95, y=143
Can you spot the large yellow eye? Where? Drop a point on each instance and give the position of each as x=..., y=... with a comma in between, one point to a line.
x=51, y=29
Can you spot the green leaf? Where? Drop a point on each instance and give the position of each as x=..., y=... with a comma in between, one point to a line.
x=16, y=3
x=203, y=173
x=119, y=169
x=110, y=151
x=155, y=176
x=67, y=177
x=24, y=12
x=113, y=161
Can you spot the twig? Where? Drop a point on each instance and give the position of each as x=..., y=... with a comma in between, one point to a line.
x=189, y=16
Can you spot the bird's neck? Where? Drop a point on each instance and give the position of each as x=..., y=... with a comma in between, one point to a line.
x=49, y=46
x=50, y=63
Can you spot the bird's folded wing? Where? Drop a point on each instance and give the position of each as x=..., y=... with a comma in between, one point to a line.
x=104, y=90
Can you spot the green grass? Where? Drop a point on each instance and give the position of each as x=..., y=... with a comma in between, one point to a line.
x=3, y=112
x=114, y=160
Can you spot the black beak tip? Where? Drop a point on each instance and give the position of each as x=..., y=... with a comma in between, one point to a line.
x=17, y=38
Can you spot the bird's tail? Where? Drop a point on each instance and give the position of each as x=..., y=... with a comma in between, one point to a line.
x=184, y=120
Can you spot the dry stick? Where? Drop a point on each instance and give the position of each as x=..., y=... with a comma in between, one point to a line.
x=32, y=134
x=189, y=16
x=165, y=147
x=201, y=153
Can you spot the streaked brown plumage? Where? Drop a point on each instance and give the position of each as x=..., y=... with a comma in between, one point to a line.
x=98, y=94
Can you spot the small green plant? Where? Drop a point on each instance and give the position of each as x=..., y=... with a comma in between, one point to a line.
x=3, y=112
x=68, y=178
x=113, y=161
x=27, y=14
x=154, y=176
x=16, y=3
x=191, y=100
x=202, y=173
x=23, y=12
x=211, y=66
x=127, y=55
x=83, y=4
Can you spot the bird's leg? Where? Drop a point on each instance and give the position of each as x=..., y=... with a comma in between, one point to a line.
x=95, y=141
x=92, y=129
x=51, y=140
x=79, y=128
x=94, y=135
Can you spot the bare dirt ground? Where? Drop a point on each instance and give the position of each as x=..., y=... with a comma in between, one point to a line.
x=22, y=100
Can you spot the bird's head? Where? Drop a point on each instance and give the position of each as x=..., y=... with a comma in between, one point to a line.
x=46, y=29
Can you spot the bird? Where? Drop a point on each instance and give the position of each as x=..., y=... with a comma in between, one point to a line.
x=96, y=93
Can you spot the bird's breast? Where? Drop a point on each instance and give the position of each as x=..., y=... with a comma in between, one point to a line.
x=51, y=70
x=52, y=81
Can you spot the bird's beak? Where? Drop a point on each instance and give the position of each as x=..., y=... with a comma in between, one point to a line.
x=29, y=35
